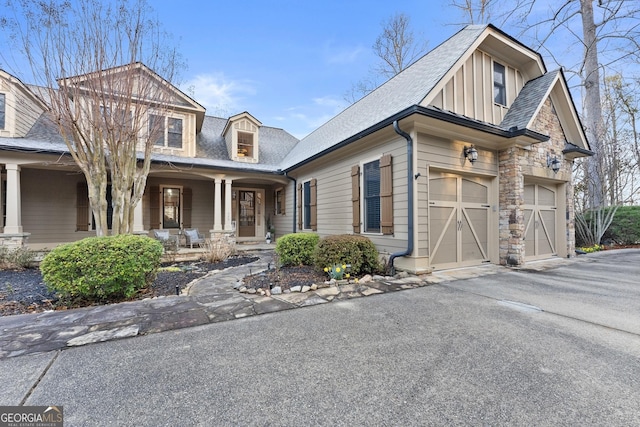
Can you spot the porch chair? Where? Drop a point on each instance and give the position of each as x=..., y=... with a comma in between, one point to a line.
x=194, y=237
x=169, y=242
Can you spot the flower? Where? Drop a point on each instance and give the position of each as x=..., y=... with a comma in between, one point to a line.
x=326, y=269
x=337, y=269
x=347, y=275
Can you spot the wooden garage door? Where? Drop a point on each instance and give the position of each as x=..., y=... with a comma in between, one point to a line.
x=540, y=221
x=458, y=220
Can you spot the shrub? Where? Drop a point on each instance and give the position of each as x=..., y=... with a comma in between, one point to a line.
x=625, y=227
x=297, y=248
x=15, y=259
x=358, y=251
x=100, y=268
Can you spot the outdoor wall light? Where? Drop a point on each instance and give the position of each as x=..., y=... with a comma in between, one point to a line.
x=471, y=154
x=553, y=163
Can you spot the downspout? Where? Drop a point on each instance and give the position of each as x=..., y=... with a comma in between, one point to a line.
x=295, y=200
x=410, y=177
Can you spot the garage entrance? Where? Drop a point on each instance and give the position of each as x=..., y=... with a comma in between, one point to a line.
x=458, y=220
x=540, y=212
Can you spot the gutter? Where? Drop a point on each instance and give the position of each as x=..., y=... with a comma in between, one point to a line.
x=410, y=207
x=295, y=200
x=432, y=112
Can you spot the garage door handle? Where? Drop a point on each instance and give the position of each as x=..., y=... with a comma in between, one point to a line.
x=486, y=206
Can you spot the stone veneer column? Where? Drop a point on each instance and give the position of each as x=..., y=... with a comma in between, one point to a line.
x=511, y=222
x=570, y=218
x=217, y=206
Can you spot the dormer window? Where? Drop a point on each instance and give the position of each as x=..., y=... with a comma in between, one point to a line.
x=167, y=129
x=3, y=104
x=499, y=87
x=242, y=135
x=245, y=144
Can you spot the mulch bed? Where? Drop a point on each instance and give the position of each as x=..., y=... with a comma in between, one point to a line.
x=23, y=291
x=285, y=277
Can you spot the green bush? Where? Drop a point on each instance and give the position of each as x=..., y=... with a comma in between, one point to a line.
x=625, y=227
x=296, y=248
x=358, y=251
x=101, y=268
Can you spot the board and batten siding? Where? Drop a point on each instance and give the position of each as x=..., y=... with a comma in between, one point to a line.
x=470, y=90
x=448, y=156
x=21, y=111
x=333, y=175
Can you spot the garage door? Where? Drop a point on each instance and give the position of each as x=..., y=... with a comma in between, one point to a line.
x=540, y=220
x=458, y=220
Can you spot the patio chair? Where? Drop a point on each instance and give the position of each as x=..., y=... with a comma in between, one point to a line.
x=169, y=242
x=193, y=237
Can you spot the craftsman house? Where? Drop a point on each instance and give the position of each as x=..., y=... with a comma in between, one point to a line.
x=463, y=158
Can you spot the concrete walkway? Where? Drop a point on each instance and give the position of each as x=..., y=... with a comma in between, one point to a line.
x=212, y=298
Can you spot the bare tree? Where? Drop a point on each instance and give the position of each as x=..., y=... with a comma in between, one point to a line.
x=610, y=39
x=87, y=58
x=396, y=48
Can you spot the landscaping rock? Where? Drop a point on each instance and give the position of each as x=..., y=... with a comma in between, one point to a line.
x=314, y=287
x=277, y=290
x=366, y=278
x=305, y=288
x=296, y=288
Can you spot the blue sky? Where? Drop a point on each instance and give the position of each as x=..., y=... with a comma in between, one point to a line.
x=289, y=63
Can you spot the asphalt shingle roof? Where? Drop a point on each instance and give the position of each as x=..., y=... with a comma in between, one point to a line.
x=407, y=88
x=526, y=104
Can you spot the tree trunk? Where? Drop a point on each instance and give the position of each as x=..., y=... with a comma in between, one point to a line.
x=592, y=105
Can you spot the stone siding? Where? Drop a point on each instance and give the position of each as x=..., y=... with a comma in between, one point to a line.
x=515, y=164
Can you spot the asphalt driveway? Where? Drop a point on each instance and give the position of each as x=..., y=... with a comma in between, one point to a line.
x=557, y=347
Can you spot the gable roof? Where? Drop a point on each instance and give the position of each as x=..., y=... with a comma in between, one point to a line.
x=526, y=106
x=23, y=88
x=177, y=98
x=407, y=88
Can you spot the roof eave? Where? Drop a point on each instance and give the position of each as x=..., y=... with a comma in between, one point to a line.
x=428, y=112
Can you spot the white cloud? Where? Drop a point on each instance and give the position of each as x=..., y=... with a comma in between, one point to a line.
x=344, y=56
x=219, y=94
x=304, y=119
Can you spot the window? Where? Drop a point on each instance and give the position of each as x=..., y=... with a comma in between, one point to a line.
x=174, y=132
x=371, y=194
x=499, y=90
x=167, y=131
x=306, y=196
x=170, y=207
x=279, y=201
x=245, y=144
x=3, y=104
x=308, y=205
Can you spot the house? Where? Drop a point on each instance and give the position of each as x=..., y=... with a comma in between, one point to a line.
x=463, y=158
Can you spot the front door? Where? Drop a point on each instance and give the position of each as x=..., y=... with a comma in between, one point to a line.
x=247, y=215
x=458, y=220
x=540, y=221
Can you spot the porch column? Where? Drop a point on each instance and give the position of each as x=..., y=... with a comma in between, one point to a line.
x=138, y=216
x=217, y=206
x=14, y=211
x=227, y=205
